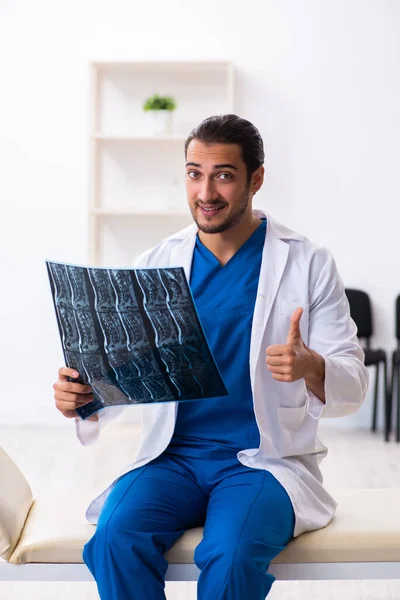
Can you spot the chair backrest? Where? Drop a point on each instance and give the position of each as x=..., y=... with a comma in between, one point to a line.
x=360, y=311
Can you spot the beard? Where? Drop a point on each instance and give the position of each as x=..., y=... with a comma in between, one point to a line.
x=230, y=221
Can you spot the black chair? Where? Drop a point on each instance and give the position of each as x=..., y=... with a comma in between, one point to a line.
x=361, y=313
x=396, y=370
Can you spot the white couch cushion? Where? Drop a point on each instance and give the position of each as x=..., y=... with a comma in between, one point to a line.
x=15, y=503
x=366, y=528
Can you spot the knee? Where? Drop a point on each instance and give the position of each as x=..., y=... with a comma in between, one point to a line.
x=107, y=538
x=111, y=547
x=241, y=554
x=88, y=555
x=117, y=537
x=219, y=551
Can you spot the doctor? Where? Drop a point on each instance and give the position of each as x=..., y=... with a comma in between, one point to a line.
x=245, y=466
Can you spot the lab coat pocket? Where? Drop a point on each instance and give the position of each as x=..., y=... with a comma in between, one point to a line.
x=297, y=435
x=292, y=416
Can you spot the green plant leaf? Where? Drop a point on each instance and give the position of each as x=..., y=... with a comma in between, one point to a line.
x=157, y=102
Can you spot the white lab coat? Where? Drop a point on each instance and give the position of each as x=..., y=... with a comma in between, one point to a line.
x=294, y=272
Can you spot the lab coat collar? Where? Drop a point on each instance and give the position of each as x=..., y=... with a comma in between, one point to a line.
x=184, y=242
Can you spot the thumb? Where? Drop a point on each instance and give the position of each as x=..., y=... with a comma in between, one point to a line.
x=294, y=331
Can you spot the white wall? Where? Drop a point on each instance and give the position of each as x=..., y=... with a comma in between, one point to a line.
x=321, y=80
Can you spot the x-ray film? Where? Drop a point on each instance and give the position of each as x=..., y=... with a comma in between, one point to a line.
x=134, y=335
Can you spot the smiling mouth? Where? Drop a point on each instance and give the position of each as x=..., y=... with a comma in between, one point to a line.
x=211, y=209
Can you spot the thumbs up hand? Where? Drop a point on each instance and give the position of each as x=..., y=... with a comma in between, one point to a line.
x=293, y=360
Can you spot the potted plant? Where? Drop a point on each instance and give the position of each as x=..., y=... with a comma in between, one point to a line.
x=161, y=109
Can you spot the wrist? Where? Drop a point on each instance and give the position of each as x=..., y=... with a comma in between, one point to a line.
x=316, y=372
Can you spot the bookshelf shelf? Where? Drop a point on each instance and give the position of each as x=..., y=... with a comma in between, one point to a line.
x=136, y=178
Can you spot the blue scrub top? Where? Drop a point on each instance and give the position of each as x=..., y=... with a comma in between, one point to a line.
x=224, y=298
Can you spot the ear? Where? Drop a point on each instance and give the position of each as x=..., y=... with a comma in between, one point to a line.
x=257, y=179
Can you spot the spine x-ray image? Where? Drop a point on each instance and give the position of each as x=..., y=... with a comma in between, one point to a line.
x=133, y=335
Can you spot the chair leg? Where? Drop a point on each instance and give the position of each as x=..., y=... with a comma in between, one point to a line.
x=375, y=409
x=398, y=404
x=388, y=403
x=394, y=381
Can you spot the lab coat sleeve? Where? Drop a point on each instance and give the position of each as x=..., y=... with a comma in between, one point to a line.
x=333, y=334
x=88, y=431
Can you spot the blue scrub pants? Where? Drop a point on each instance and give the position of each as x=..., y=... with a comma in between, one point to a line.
x=247, y=516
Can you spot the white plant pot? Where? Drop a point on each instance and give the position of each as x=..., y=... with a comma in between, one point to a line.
x=160, y=122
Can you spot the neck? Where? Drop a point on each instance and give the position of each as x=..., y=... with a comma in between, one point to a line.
x=224, y=245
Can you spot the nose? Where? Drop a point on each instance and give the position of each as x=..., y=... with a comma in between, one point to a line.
x=207, y=191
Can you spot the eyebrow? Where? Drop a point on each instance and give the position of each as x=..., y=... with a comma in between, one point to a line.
x=220, y=166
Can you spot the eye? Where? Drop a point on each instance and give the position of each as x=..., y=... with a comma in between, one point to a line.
x=193, y=174
x=225, y=176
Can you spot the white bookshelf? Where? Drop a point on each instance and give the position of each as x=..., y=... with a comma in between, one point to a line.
x=136, y=183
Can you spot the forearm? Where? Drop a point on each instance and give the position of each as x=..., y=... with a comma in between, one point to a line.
x=316, y=380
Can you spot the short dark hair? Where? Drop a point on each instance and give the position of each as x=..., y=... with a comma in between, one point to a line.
x=231, y=129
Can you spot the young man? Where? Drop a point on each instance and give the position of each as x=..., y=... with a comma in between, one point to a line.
x=245, y=466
